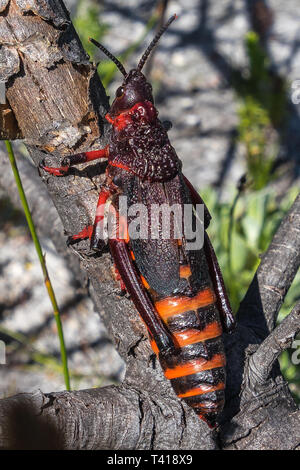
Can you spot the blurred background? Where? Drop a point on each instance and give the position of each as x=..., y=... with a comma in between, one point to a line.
x=227, y=75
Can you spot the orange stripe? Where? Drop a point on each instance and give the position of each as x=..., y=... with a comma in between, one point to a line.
x=185, y=271
x=174, y=305
x=145, y=283
x=204, y=388
x=132, y=255
x=154, y=347
x=192, y=336
x=195, y=366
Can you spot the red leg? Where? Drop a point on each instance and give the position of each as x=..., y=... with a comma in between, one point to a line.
x=119, y=279
x=130, y=279
x=136, y=290
x=75, y=160
x=214, y=268
x=134, y=286
x=85, y=233
x=97, y=237
x=94, y=232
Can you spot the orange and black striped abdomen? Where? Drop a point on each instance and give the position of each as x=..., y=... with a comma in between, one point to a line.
x=197, y=367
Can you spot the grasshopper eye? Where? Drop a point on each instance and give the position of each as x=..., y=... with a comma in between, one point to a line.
x=120, y=92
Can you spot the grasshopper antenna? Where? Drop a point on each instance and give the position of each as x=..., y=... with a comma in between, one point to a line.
x=154, y=42
x=110, y=55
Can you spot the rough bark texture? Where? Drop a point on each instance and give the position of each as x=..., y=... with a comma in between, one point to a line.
x=8, y=125
x=58, y=101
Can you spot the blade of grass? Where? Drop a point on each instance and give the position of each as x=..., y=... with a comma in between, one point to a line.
x=37, y=356
x=240, y=189
x=42, y=262
x=48, y=361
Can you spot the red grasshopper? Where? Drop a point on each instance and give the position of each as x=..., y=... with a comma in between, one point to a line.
x=179, y=293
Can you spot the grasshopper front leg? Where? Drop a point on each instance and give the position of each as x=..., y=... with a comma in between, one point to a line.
x=75, y=160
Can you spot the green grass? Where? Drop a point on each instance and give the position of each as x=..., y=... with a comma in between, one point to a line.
x=47, y=281
x=262, y=110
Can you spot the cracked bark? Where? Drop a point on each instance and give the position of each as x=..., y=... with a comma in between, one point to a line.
x=58, y=103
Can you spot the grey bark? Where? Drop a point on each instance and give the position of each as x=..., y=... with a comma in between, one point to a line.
x=58, y=102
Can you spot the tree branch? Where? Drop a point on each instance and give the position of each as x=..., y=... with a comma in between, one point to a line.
x=106, y=418
x=261, y=362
